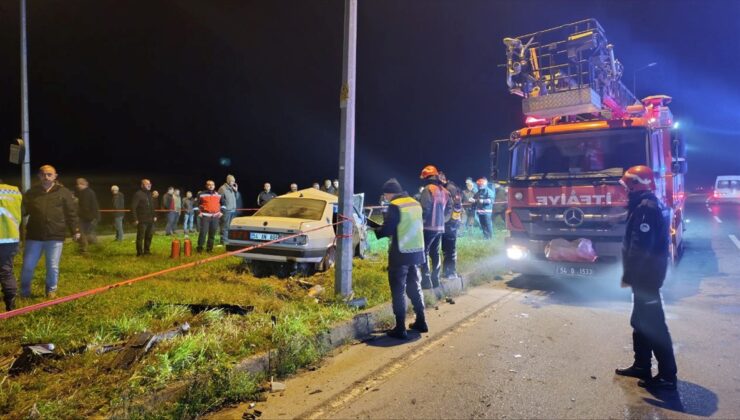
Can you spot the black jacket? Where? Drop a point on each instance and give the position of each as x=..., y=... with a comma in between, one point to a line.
x=118, y=203
x=646, y=242
x=87, y=203
x=264, y=197
x=391, y=219
x=142, y=206
x=50, y=214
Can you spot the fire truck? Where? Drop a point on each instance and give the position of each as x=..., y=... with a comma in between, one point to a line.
x=566, y=211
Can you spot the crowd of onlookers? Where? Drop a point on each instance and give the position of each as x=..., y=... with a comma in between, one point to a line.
x=51, y=212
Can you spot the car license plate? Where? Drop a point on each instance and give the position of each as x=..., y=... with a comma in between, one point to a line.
x=573, y=271
x=261, y=236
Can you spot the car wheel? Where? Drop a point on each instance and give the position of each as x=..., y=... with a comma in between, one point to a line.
x=259, y=268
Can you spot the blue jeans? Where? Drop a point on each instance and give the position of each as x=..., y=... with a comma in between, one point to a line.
x=52, y=251
x=172, y=217
x=225, y=223
x=118, y=222
x=187, y=223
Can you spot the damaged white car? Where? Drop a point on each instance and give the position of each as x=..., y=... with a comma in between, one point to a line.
x=310, y=214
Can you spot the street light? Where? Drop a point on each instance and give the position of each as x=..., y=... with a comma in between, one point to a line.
x=634, y=78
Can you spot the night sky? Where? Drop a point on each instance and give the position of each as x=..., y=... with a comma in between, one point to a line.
x=166, y=89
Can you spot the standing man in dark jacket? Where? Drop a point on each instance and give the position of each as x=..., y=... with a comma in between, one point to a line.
x=403, y=223
x=51, y=211
x=436, y=205
x=484, y=199
x=89, y=213
x=645, y=252
x=266, y=195
x=142, y=208
x=229, y=191
x=449, y=238
x=173, y=213
x=118, y=204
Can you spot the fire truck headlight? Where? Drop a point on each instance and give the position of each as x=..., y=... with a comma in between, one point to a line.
x=519, y=196
x=516, y=253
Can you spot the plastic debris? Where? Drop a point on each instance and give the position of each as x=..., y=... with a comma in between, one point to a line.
x=276, y=386
x=316, y=291
x=517, y=356
x=141, y=343
x=358, y=303
x=32, y=356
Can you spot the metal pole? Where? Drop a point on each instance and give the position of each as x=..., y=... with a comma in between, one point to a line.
x=26, y=166
x=345, y=251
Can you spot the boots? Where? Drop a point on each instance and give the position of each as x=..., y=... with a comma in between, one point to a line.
x=420, y=324
x=399, y=331
x=9, y=302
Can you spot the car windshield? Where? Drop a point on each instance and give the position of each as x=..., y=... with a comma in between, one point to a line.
x=579, y=155
x=295, y=208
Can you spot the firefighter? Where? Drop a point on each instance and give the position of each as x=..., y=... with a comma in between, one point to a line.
x=403, y=222
x=645, y=252
x=436, y=205
x=449, y=238
x=484, y=200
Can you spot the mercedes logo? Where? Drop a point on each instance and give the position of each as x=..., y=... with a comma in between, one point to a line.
x=573, y=217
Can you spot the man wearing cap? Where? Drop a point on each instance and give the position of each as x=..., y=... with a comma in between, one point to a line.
x=436, y=205
x=484, y=199
x=403, y=223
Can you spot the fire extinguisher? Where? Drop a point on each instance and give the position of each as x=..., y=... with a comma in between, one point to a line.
x=187, y=247
x=175, y=249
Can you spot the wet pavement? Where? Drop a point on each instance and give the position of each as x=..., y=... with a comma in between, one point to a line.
x=535, y=348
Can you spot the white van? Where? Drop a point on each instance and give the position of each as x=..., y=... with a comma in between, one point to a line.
x=726, y=189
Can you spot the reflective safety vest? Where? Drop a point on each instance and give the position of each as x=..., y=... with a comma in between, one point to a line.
x=410, y=230
x=10, y=214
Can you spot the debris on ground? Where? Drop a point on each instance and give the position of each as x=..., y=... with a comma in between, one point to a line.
x=276, y=386
x=315, y=391
x=316, y=291
x=358, y=303
x=141, y=343
x=593, y=377
x=517, y=356
x=305, y=284
x=225, y=307
x=450, y=300
x=32, y=356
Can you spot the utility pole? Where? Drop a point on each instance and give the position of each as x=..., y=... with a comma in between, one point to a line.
x=345, y=251
x=26, y=165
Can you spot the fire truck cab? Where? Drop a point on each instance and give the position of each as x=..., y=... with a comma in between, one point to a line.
x=583, y=130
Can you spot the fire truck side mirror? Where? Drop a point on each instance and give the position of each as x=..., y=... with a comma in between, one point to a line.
x=500, y=161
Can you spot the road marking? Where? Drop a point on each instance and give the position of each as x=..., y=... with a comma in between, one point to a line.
x=385, y=372
x=717, y=219
x=734, y=239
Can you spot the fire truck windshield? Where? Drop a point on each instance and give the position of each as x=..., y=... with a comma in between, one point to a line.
x=593, y=154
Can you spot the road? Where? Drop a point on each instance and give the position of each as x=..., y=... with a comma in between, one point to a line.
x=524, y=348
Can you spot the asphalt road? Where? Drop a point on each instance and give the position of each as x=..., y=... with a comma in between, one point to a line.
x=526, y=348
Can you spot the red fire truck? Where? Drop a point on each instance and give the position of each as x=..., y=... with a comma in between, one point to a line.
x=566, y=209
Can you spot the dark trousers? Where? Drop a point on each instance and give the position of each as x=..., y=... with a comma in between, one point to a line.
x=208, y=227
x=650, y=334
x=226, y=219
x=486, y=224
x=449, y=251
x=7, y=278
x=144, y=233
x=405, y=279
x=87, y=234
x=432, y=241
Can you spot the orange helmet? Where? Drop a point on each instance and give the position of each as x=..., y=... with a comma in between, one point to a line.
x=481, y=182
x=638, y=178
x=429, y=170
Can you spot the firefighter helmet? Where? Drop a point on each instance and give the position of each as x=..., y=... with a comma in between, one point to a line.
x=638, y=178
x=429, y=170
x=482, y=182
